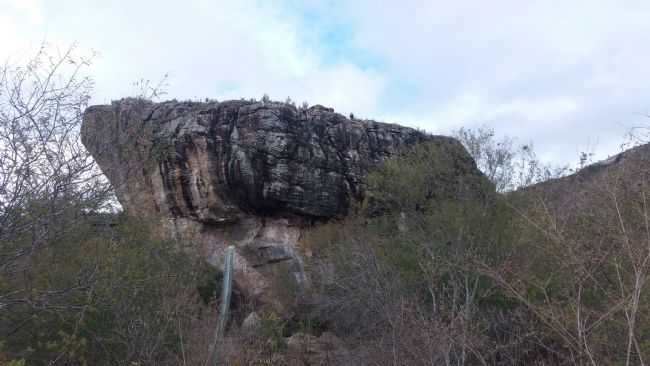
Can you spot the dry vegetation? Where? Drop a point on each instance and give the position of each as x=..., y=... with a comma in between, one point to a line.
x=553, y=274
x=423, y=273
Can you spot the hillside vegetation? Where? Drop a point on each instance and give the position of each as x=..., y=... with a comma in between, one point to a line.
x=552, y=274
x=524, y=266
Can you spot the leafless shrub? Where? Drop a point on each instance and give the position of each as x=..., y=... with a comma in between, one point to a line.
x=145, y=89
x=581, y=264
x=506, y=163
x=45, y=172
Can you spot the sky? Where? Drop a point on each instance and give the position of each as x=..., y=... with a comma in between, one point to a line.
x=569, y=76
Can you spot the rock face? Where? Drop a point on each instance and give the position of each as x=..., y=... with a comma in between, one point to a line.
x=245, y=173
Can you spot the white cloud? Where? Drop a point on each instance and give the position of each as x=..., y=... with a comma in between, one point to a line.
x=562, y=74
x=18, y=19
x=216, y=49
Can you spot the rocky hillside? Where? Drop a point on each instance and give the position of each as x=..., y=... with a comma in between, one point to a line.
x=246, y=173
x=568, y=194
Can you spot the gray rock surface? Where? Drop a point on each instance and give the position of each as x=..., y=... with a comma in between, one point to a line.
x=217, y=161
x=251, y=323
x=242, y=173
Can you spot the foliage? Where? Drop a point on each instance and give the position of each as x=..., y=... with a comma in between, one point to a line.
x=508, y=165
x=146, y=90
x=434, y=268
x=423, y=176
x=405, y=272
x=582, y=264
x=47, y=179
x=128, y=310
x=77, y=285
x=273, y=331
x=551, y=274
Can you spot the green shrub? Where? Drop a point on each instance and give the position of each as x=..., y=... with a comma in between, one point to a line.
x=122, y=296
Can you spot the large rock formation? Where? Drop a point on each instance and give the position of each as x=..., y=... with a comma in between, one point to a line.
x=244, y=173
